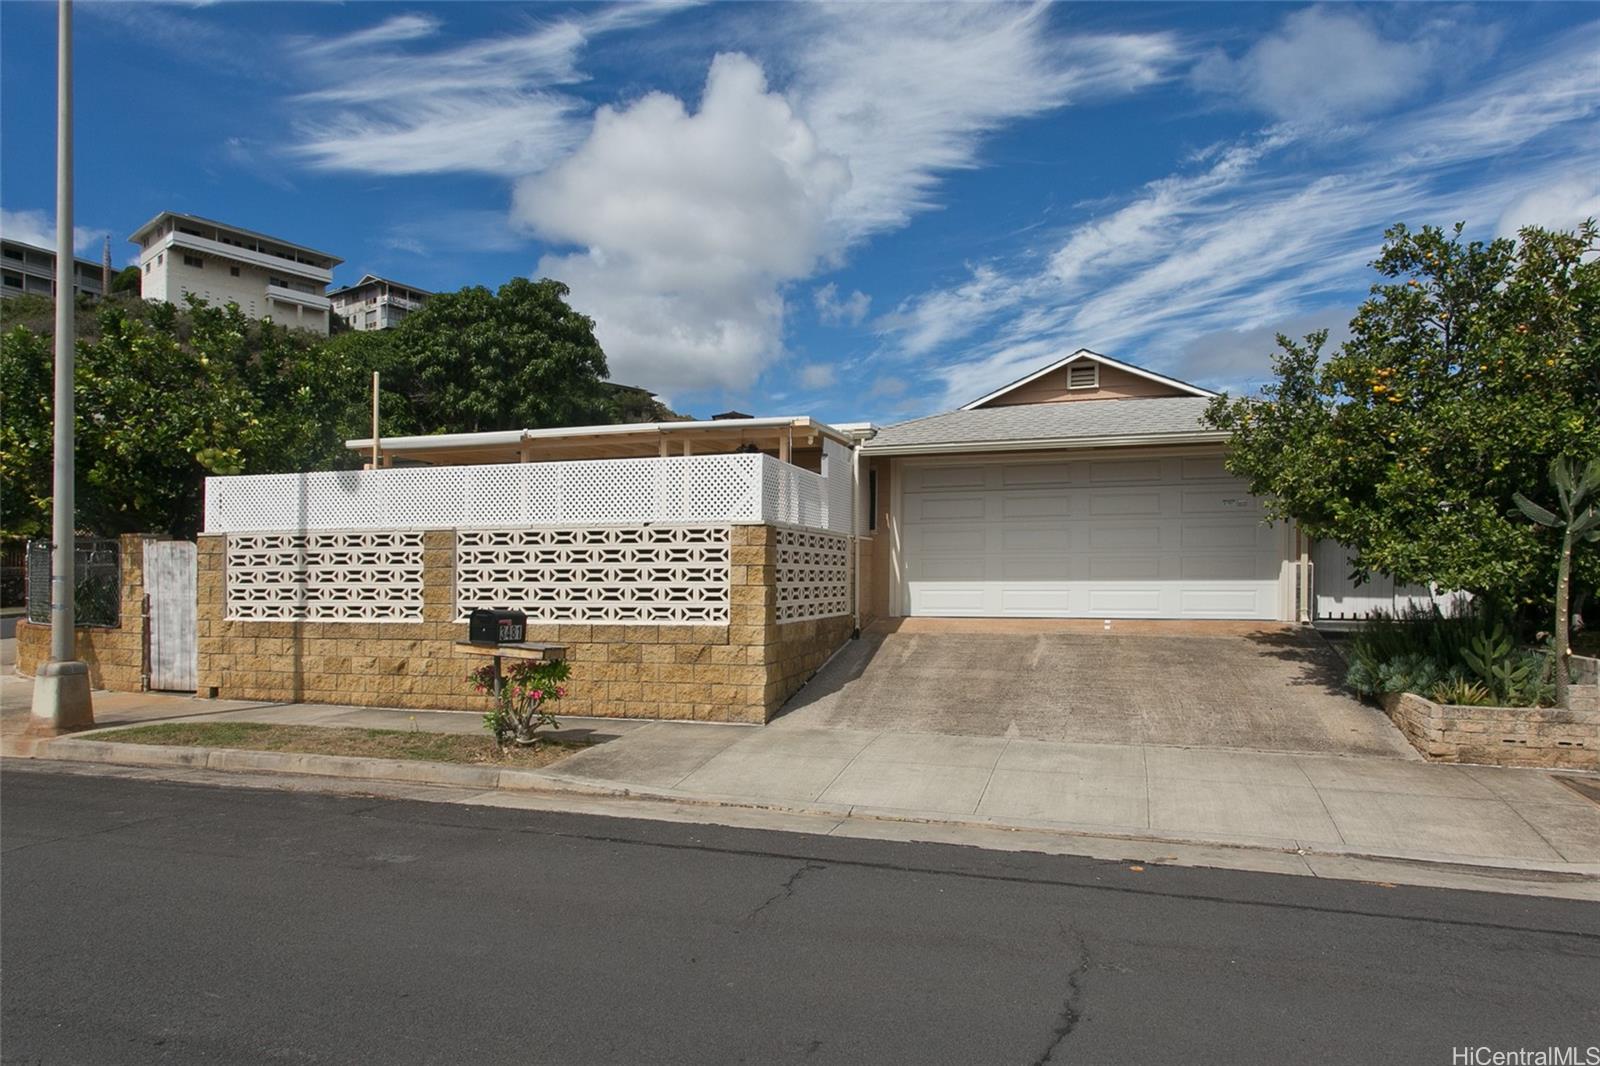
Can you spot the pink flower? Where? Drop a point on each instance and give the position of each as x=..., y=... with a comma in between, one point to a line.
x=538, y=694
x=561, y=691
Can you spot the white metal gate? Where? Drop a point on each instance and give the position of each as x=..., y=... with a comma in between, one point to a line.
x=169, y=582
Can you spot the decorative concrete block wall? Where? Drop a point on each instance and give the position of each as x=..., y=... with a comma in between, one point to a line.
x=115, y=655
x=1504, y=736
x=740, y=671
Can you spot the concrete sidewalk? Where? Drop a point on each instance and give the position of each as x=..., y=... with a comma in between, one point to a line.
x=1331, y=805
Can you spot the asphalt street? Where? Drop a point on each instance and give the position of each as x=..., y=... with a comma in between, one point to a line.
x=143, y=921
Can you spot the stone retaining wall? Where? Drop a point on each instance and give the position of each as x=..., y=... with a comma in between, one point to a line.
x=115, y=655
x=1503, y=736
x=740, y=672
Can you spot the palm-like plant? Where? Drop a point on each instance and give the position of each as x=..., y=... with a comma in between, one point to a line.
x=1578, y=521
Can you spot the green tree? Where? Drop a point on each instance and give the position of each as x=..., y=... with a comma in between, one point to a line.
x=476, y=360
x=1470, y=368
x=164, y=398
x=126, y=280
x=1578, y=519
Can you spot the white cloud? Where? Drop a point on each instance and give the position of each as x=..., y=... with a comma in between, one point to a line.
x=1564, y=205
x=1322, y=64
x=1240, y=360
x=688, y=224
x=936, y=318
x=833, y=311
x=905, y=91
x=1260, y=235
x=39, y=228
x=494, y=105
x=817, y=376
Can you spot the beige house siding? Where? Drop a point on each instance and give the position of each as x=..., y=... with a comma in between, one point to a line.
x=1114, y=384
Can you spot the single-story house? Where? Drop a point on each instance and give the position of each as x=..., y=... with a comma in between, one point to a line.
x=706, y=569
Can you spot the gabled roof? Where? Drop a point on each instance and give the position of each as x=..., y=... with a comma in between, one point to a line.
x=1104, y=360
x=378, y=279
x=1157, y=420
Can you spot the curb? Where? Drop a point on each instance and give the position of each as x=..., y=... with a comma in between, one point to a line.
x=491, y=779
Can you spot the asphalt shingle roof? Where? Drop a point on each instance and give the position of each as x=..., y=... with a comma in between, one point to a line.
x=1083, y=420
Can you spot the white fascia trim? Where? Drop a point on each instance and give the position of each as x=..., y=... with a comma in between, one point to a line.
x=1104, y=360
x=438, y=441
x=1046, y=444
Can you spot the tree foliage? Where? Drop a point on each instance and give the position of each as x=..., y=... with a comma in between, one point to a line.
x=164, y=398
x=1470, y=368
x=476, y=360
x=167, y=395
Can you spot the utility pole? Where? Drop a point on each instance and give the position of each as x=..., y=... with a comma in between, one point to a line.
x=105, y=270
x=61, y=691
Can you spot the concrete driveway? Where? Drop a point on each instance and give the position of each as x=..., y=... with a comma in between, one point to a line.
x=1215, y=685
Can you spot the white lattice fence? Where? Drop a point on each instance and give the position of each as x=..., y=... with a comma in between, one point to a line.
x=701, y=489
x=675, y=575
x=351, y=576
x=813, y=575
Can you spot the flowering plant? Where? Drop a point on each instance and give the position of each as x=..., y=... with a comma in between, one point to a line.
x=526, y=688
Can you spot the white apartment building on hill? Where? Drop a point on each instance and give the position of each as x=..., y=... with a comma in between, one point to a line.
x=376, y=303
x=267, y=277
x=31, y=270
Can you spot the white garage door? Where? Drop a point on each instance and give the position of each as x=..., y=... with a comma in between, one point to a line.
x=1091, y=538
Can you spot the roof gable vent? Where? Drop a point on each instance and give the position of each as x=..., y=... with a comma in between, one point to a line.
x=1083, y=375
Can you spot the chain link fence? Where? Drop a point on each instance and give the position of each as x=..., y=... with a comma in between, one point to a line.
x=98, y=571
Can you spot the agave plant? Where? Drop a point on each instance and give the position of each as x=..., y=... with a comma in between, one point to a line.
x=1579, y=520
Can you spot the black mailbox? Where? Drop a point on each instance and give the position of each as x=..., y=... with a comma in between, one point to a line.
x=486, y=626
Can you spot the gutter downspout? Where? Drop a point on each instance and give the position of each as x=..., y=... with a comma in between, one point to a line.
x=855, y=540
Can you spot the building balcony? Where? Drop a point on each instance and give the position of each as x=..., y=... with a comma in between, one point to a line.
x=206, y=246
x=308, y=300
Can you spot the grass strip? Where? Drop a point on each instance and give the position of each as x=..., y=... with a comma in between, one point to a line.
x=332, y=740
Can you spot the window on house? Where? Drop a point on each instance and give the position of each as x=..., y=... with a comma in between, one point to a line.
x=14, y=280
x=234, y=271
x=872, y=500
x=1083, y=375
x=147, y=268
x=194, y=261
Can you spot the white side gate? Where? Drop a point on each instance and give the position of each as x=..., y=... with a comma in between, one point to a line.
x=169, y=582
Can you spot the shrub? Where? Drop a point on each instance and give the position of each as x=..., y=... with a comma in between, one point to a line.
x=526, y=689
x=1423, y=650
x=1461, y=692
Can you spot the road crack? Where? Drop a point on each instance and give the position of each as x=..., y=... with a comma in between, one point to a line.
x=786, y=889
x=1071, y=1012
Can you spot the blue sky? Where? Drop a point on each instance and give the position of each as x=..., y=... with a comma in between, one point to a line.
x=851, y=211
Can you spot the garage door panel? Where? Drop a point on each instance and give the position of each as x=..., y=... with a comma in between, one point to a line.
x=1125, y=568
x=951, y=600
x=1139, y=538
x=1050, y=506
x=1226, y=568
x=1036, y=568
x=968, y=539
x=1206, y=536
x=947, y=508
x=1204, y=469
x=1024, y=539
x=1121, y=503
x=1117, y=537
x=949, y=568
x=1024, y=475
x=1224, y=602
x=1221, y=500
x=1124, y=470
x=1040, y=600
x=1125, y=600
x=945, y=477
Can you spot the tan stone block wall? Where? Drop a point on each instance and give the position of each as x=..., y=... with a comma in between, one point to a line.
x=1502, y=736
x=730, y=673
x=115, y=656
